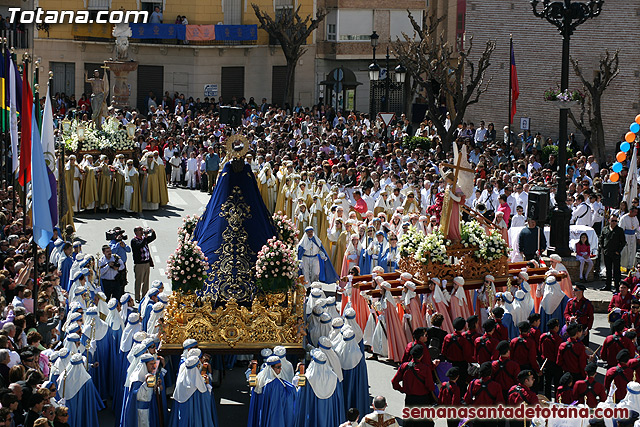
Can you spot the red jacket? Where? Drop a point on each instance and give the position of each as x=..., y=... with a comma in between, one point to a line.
x=485, y=348
x=414, y=379
x=565, y=395
x=521, y=393
x=582, y=310
x=505, y=372
x=618, y=301
x=523, y=351
x=535, y=334
x=619, y=375
x=471, y=336
x=589, y=391
x=631, y=320
x=450, y=394
x=612, y=346
x=456, y=348
x=407, y=356
x=572, y=357
x=483, y=392
x=549, y=344
x=501, y=333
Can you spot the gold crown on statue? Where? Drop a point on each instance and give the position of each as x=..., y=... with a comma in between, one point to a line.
x=237, y=146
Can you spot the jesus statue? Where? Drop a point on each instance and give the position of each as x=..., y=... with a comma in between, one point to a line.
x=455, y=198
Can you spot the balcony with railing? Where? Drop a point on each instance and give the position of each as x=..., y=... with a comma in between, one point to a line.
x=16, y=37
x=175, y=34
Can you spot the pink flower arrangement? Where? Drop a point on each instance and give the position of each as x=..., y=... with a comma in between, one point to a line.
x=276, y=260
x=185, y=232
x=286, y=231
x=187, y=267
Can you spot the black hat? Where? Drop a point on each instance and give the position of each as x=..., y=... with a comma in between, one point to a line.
x=489, y=325
x=524, y=326
x=416, y=351
x=472, y=319
x=524, y=374
x=565, y=379
x=623, y=355
x=591, y=368
x=580, y=287
x=498, y=312
x=485, y=370
x=453, y=373
x=459, y=323
x=618, y=325
x=503, y=347
x=573, y=328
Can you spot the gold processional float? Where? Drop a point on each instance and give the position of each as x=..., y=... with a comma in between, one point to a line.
x=267, y=319
x=276, y=318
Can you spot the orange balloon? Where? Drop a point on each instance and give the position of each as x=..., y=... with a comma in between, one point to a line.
x=638, y=119
x=621, y=156
x=614, y=177
x=630, y=137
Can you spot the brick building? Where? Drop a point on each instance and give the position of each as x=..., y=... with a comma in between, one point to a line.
x=538, y=52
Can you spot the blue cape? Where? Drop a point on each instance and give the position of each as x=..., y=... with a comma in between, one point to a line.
x=327, y=272
x=84, y=406
x=355, y=386
x=383, y=261
x=274, y=407
x=557, y=314
x=314, y=412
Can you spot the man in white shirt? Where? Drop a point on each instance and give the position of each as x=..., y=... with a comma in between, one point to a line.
x=597, y=213
x=511, y=201
x=522, y=198
x=581, y=213
x=366, y=196
x=481, y=133
x=592, y=166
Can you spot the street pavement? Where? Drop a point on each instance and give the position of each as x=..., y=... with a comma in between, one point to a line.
x=233, y=395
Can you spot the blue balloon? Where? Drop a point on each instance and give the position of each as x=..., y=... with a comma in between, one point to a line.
x=625, y=146
x=617, y=167
x=635, y=128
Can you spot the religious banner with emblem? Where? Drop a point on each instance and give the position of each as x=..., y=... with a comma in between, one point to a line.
x=236, y=32
x=201, y=32
x=158, y=31
x=92, y=30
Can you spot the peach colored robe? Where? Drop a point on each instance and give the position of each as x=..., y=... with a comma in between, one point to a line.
x=396, y=339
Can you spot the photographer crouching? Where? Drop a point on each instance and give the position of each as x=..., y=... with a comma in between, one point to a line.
x=111, y=266
x=117, y=242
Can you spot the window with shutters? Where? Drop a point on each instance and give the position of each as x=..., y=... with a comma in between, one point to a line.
x=99, y=5
x=282, y=7
x=150, y=81
x=232, y=84
x=232, y=10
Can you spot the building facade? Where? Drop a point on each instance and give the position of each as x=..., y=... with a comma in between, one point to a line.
x=538, y=52
x=243, y=67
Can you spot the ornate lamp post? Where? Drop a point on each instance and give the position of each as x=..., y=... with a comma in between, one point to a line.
x=566, y=16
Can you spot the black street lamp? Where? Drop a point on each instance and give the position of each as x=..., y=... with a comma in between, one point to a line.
x=566, y=16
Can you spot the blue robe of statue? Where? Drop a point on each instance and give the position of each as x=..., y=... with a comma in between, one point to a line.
x=84, y=406
x=314, y=412
x=233, y=229
x=355, y=386
x=274, y=407
x=558, y=313
x=198, y=411
x=364, y=262
x=383, y=262
x=65, y=269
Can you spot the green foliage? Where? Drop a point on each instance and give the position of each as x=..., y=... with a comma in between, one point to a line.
x=413, y=142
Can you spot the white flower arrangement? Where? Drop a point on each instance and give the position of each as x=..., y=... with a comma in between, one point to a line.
x=110, y=137
x=188, y=227
x=493, y=247
x=472, y=234
x=433, y=248
x=410, y=241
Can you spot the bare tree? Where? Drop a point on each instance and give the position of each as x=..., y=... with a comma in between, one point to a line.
x=446, y=74
x=292, y=32
x=592, y=126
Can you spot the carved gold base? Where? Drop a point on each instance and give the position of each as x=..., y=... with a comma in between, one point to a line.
x=274, y=319
x=462, y=264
